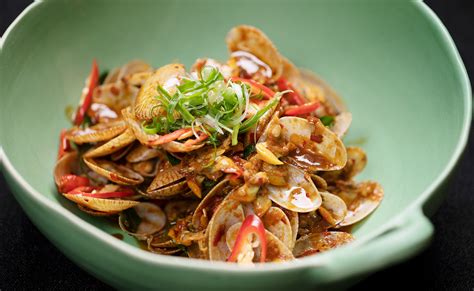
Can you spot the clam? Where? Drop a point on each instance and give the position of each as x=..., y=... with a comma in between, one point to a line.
x=313, y=86
x=341, y=124
x=317, y=148
x=227, y=214
x=277, y=251
x=276, y=222
x=320, y=242
x=361, y=200
x=151, y=139
x=147, y=105
x=113, y=172
x=130, y=68
x=148, y=168
x=96, y=133
x=205, y=209
x=68, y=164
x=299, y=194
x=333, y=208
x=109, y=206
x=168, y=182
x=115, y=95
x=293, y=217
x=252, y=40
x=356, y=162
x=143, y=220
x=143, y=153
x=113, y=145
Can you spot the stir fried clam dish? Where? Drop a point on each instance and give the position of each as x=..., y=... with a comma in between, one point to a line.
x=239, y=161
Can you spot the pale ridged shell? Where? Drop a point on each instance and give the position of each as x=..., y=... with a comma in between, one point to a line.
x=153, y=219
x=361, y=202
x=299, y=195
x=68, y=164
x=100, y=204
x=218, y=189
x=98, y=132
x=115, y=173
x=320, y=242
x=227, y=214
x=250, y=39
x=166, y=177
x=146, y=103
x=276, y=222
x=330, y=151
x=119, y=142
x=142, y=153
x=333, y=208
x=277, y=251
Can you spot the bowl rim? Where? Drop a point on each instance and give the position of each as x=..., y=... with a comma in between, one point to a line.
x=305, y=263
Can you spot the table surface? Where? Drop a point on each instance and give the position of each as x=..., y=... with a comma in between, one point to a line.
x=29, y=261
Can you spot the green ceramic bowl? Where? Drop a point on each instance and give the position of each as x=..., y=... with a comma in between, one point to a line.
x=393, y=62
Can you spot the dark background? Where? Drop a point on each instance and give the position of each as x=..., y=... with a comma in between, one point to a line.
x=29, y=261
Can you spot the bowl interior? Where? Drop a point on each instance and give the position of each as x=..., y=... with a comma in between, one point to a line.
x=385, y=59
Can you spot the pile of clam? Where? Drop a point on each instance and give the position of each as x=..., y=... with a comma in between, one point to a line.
x=183, y=196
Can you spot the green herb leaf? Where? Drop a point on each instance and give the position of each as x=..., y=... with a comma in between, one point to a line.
x=249, y=123
x=327, y=120
x=248, y=150
x=235, y=134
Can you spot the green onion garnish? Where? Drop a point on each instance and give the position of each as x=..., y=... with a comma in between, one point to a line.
x=248, y=150
x=327, y=120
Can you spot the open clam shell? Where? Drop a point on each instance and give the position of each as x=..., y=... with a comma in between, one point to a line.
x=356, y=162
x=277, y=251
x=333, y=208
x=68, y=164
x=299, y=194
x=168, y=182
x=204, y=210
x=113, y=145
x=110, y=206
x=143, y=153
x=147, y=105
x=323, y=150
x=113, y=172
x=143, y=220
x=320, y=242
x=361, y=200
x=227, y=214
x=96, y=133
x=252, y=40
x=276, y=222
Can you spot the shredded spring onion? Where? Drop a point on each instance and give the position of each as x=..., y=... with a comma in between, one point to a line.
x=208, y=103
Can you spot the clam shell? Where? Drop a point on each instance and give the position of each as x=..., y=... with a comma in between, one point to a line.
x=250, y=39
x=276, y=222
x=361, y=201
x=100, y=204
x=153, y=219
x=329, y=154
x=277, y=251
x=98, y=132
x=112, y=145
x=227, y=214
x=333, y=208
x=320, y=242
x=146, y=103
x=115, y=173
x=299, y=195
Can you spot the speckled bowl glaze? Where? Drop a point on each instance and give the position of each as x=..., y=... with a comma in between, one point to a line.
x=392, y=61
